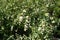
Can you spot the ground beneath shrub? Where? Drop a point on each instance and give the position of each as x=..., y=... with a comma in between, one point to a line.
x=54, y=38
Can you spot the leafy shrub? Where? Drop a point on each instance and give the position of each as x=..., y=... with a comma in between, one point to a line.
x=28, y=19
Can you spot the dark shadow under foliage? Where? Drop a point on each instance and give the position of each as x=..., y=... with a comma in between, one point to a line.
x=57, y=32
x=20, y=31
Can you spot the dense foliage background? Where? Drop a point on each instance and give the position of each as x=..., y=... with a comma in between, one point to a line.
x=29, y=19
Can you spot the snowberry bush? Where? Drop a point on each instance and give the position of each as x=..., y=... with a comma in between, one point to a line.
x=29, y=19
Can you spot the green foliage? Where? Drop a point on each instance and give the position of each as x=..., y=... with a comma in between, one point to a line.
x=29, y=19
